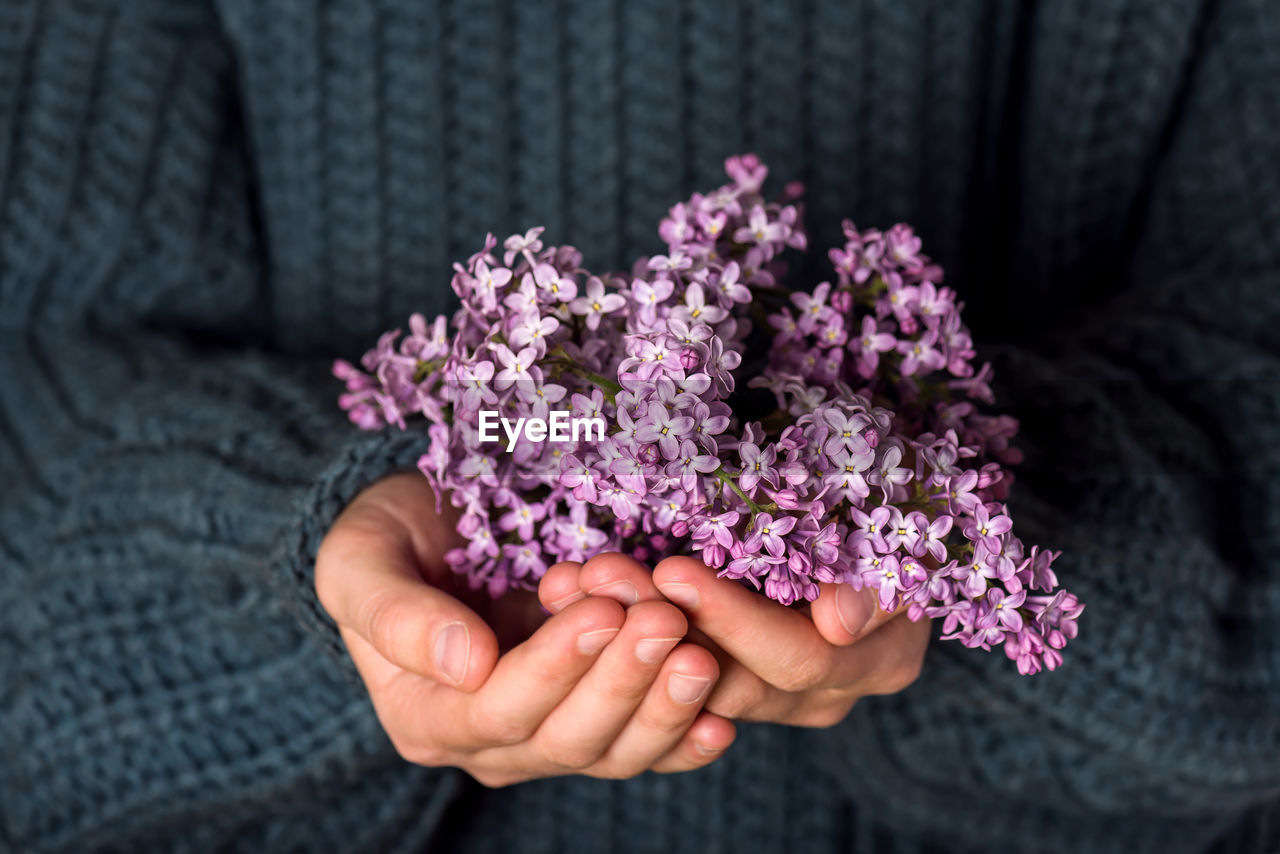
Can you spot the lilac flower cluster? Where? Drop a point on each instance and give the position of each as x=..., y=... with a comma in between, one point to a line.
x=876, y=469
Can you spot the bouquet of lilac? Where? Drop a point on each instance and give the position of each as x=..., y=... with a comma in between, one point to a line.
x=874, y=469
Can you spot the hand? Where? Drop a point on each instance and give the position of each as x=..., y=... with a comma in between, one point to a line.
x=595, y=689
x=777, y=664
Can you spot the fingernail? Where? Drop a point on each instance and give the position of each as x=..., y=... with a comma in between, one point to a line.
x=687, y=689
x=851, y=609
x=589, y=643
x=653, y=650
x=684, y=595
x=624, y=591
x=561, y=604
x=706, y=751
x=452, y=650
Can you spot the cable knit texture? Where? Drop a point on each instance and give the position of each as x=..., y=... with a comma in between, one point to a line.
x=203, y=202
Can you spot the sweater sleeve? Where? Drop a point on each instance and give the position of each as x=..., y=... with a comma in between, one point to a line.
x=161, y=510
x=1150, y=426
x=164, y=483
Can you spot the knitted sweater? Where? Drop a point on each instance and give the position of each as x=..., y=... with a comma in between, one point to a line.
x=203, y=202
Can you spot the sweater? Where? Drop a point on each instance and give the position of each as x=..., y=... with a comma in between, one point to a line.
x=203, y=202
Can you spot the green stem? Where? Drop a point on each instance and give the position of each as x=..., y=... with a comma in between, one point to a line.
x=422, y=370
x=728, y=479
x=604, y=383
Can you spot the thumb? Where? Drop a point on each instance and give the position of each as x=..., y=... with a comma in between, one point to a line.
x=371, y=585
x=843, y=615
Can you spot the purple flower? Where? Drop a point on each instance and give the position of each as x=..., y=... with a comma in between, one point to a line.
x=888, y=475
x=517, y=368
x=1001, y=609
x=903, y=247
x=579, y=477
x=526, y=244
x=488, y=281
x=577, y=539
x=767, y=532
x=655, y=354
x=674, y=262
x=881, y=573
x=521, y=518
x=974, y=573
x=728, y=289
x=588, y=406
x=531, y=329
x=526, y=559
x=870, y=344
x=757, y=465
x=751, y=567
x=474, y=383
x=846, y=477
x=846, y=433
x=540, y=397
x=595, y=304
x=664, y=428
x=813, y=309
x=903, y=531
x=919, y=356
x=870, y=528
x=933, y=303
x=696, y=310
x=480, y=543
x=825, y=544
x=933, y=539
x=760, y=231
x=649, y=294
x=985, y=530
x=689, y=464
x=959, y=493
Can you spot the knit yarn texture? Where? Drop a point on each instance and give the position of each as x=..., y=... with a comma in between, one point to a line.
x=203, y=202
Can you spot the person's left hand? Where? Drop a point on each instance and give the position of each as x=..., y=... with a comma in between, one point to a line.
x=778, y=664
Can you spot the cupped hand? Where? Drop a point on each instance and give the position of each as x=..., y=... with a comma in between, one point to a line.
x=596, y=689
x=804, y=667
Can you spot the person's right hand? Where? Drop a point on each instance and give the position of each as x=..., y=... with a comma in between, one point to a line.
x=594, y=689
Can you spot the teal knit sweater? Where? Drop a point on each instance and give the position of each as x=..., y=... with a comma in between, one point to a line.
x=202, y=202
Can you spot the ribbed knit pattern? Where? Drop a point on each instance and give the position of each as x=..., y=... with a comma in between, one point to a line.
x=202, y=203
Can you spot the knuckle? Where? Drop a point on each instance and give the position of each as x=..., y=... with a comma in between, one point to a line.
x=736, y=702
x=803, y=674
x=658, y=722
x=384, y=620
x=623, y=689
x=568, y=756
x=493, y=728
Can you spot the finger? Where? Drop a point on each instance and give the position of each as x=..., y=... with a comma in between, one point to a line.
x=619, y=577
x=665, y=714
x=398, y=697
x=739, y=694
x=885, y=661
x=704, y=743
x=778, y=644
x=558, y=588
x=370, y=584
x=532, y=679
x=577, y=733
x=843, y=615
